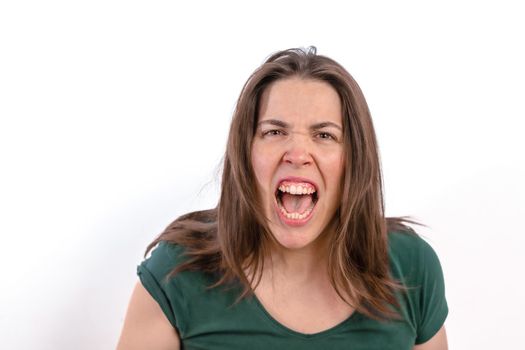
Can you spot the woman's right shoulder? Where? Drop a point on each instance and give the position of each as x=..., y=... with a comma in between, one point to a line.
x=157, y=276
x=164, y=257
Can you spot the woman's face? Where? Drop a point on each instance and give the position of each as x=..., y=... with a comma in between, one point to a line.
x=298, y=158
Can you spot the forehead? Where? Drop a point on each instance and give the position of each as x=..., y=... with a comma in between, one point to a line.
x=301, y=100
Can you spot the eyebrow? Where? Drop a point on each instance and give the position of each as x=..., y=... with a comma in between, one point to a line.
x=316, y=126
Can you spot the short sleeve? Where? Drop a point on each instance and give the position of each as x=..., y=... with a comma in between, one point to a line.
x=433, y=309
x=153, y=273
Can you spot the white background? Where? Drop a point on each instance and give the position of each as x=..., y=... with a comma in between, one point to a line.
x=114, y=117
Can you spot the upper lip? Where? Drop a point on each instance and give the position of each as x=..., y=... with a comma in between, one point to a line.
x=297, y=179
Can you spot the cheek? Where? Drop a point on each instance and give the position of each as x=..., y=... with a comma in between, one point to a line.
x=261, y=165
x=334, y=168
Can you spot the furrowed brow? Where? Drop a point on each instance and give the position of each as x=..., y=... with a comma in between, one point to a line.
x=325, y=125
x=275, y=122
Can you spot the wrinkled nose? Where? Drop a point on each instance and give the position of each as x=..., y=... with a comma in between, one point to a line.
x=298, y=152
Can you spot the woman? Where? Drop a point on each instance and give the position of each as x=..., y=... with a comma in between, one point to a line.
x=298, y=253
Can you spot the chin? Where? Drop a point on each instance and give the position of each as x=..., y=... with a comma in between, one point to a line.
x=294, y=239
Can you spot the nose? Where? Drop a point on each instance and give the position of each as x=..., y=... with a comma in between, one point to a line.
x=298, y=151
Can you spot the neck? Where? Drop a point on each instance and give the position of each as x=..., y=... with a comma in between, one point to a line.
x=297, y=265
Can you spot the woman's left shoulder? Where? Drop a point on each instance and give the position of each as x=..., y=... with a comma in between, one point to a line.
x=410, y=254
x=408, y=243
x=415, y=264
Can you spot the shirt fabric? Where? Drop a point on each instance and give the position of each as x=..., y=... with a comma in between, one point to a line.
x=211, y=319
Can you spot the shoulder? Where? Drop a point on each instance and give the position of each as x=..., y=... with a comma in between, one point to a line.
x=155, y=274
x=164, y=257
x=406, y=240
x=415, y=264
x=410, y=254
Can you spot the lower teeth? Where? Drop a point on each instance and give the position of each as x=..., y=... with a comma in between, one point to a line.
x=295, y=216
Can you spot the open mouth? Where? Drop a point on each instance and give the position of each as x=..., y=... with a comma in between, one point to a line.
x=296, y=200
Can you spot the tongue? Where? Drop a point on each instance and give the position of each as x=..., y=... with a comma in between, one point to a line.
x=296, y=203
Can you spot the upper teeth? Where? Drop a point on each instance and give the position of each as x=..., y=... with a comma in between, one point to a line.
x=297, y=189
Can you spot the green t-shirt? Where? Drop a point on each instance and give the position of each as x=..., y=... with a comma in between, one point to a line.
x=210, y=319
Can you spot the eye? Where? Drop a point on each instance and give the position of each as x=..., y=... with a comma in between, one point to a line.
x=326, y=136
x=273, y=132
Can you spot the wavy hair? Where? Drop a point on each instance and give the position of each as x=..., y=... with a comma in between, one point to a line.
x=230, y=239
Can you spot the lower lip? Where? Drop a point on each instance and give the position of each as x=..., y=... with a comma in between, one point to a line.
x=294, y=222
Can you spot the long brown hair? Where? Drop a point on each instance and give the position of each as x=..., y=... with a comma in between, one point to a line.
x=230, y=239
